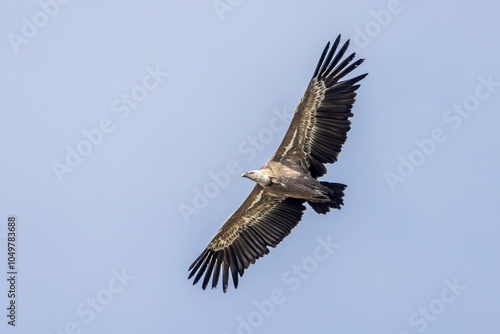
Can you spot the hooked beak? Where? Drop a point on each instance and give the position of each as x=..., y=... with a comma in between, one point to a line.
x=244, y=175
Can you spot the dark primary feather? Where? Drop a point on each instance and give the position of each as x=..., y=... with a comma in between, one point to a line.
x=316, y=71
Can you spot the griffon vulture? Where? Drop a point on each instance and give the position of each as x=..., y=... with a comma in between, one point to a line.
x=275, y=206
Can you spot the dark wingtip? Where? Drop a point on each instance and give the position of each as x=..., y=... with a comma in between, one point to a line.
x=361, y=77
x=325, y=50
x=337, y=40
x=330, y=59
x=192, y=265
x=235, y=281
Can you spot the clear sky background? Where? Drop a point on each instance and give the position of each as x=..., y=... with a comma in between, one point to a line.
x=126, y=125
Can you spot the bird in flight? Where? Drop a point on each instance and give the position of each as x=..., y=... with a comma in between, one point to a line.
x=317, y=131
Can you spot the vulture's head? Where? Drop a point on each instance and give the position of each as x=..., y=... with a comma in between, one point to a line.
x=258, y=177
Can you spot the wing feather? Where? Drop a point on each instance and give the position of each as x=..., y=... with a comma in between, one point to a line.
x=210, y=268
x=203, y=267
x=321, y=120
x=245, y=237
x=225, y=271
x=217, y=270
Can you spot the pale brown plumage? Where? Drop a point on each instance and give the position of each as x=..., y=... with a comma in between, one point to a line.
x=275, y=206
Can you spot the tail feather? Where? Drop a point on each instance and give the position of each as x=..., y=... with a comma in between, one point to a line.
x=335, y=195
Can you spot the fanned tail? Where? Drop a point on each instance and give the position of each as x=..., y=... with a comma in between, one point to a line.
x=335, y=195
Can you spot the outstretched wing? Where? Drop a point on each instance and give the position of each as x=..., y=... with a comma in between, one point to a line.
x=261, y=221
x=321, y=120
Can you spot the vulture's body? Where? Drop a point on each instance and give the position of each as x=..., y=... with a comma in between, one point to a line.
x=289, y=179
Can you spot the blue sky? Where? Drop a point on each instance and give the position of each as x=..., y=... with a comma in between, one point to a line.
x=126, y=126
